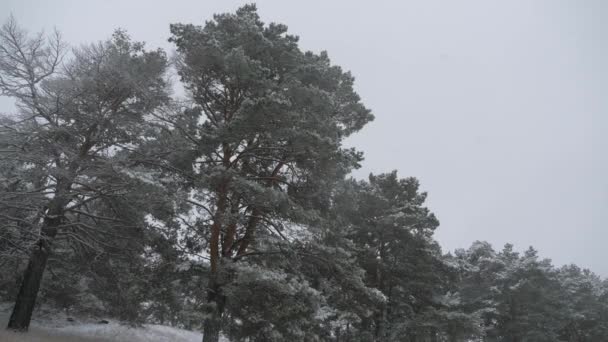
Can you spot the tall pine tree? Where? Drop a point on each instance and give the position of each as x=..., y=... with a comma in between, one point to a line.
x=75, y=117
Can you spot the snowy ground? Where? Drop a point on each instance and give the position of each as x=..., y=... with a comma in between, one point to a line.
x=56, y=328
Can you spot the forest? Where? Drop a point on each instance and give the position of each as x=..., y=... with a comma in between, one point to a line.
x=232, y=210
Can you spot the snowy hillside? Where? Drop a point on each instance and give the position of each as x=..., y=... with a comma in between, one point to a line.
x=57, y=328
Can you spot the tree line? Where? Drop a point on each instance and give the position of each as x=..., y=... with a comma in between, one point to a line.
x=232, y=211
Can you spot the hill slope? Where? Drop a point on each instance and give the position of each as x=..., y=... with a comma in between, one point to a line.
x=56, y=328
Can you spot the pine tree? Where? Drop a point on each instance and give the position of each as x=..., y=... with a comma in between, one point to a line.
x=392, y=232
x=75, y=117
x=264, y=137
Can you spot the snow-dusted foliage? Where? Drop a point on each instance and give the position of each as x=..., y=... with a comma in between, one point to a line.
x=231, y=212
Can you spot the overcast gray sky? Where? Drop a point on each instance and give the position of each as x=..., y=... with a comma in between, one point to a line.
x=499, y=108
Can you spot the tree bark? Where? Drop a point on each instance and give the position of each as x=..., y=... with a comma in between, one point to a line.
x=228, y=241
x=21, y=315
x=28, y=292
x=434, y=335
x=256, y=215
x=213, y=323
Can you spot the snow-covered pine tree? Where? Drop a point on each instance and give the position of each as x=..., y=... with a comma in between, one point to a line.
x=392, y=234
x=265, y=133
x=76, y=114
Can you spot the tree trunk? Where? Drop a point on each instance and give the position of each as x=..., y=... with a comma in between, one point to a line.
x=213, y=323
x=256, y=215
x=28, y=292
x=347, y=337
x=212, y=329
x=434, y=335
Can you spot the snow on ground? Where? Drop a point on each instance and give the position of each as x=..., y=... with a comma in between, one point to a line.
x=56, y=328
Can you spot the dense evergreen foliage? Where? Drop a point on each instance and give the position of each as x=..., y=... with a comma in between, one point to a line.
x=232, y=211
